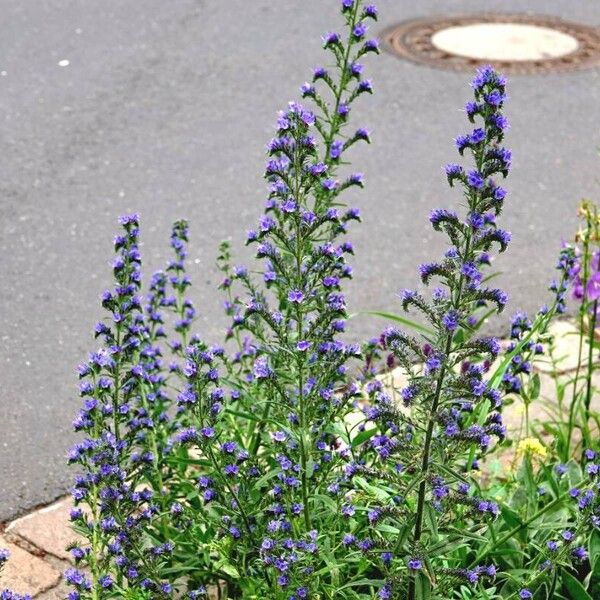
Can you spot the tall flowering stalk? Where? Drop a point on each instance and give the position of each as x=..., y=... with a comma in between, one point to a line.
x=160, y=495
x=423, y=452
x=267, y=485
x=124, y=418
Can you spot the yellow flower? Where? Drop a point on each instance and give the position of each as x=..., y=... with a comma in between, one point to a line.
x=533, y=447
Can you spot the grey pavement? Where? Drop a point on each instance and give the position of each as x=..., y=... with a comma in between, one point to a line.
x=165, y=109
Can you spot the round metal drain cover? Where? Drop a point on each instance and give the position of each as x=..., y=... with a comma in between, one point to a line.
x=513, y=43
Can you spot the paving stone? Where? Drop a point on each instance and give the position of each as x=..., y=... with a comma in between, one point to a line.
x=47, y=529
x=59, y=592
x=25, y=573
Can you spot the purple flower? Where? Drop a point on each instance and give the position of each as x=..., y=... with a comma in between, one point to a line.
x=362, y=134
x=359, y=31
x=475, y=180
x=441, y=215
x=308, y=90
x=371, y=46
x=450, y=320
x=477, y=136
x=462, y=142
x=319, y=73
x=331, y=39
x=261, y=368
x=343, y=110
x=593, y=287
x=336, y=149
x=495, y=98
x=370, y=11
x=296, y=296
x=499, y=121
x=126, y=220
x=472, y=108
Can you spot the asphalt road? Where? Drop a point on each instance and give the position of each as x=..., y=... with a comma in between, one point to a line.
x=164, y=108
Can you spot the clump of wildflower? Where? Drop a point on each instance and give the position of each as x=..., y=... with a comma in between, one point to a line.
x=257, y=491
x=122, y=417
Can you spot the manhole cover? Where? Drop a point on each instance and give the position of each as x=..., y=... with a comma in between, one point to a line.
x=514, y=43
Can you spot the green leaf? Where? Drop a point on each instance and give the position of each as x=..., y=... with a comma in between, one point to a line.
x=422, y=587
x=594, y=551
x=363, y=436
x=431, y=520
x=535, y=387
x=388, y=529
x=398, y=319
x=574, y=473
x=373, y=490
x=574, y=587
x=529, y=477
x=511, y=517
x=519, y=499
x=361, y=583
x=228, y=569
x=459, y=337
x=550, y=479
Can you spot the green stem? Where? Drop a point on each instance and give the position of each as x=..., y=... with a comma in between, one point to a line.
x=425, y=459
x=95, y=549
x=238, y=504
x=429, y=433
x=115, y=398
x=335, y=122
x=590, y=370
